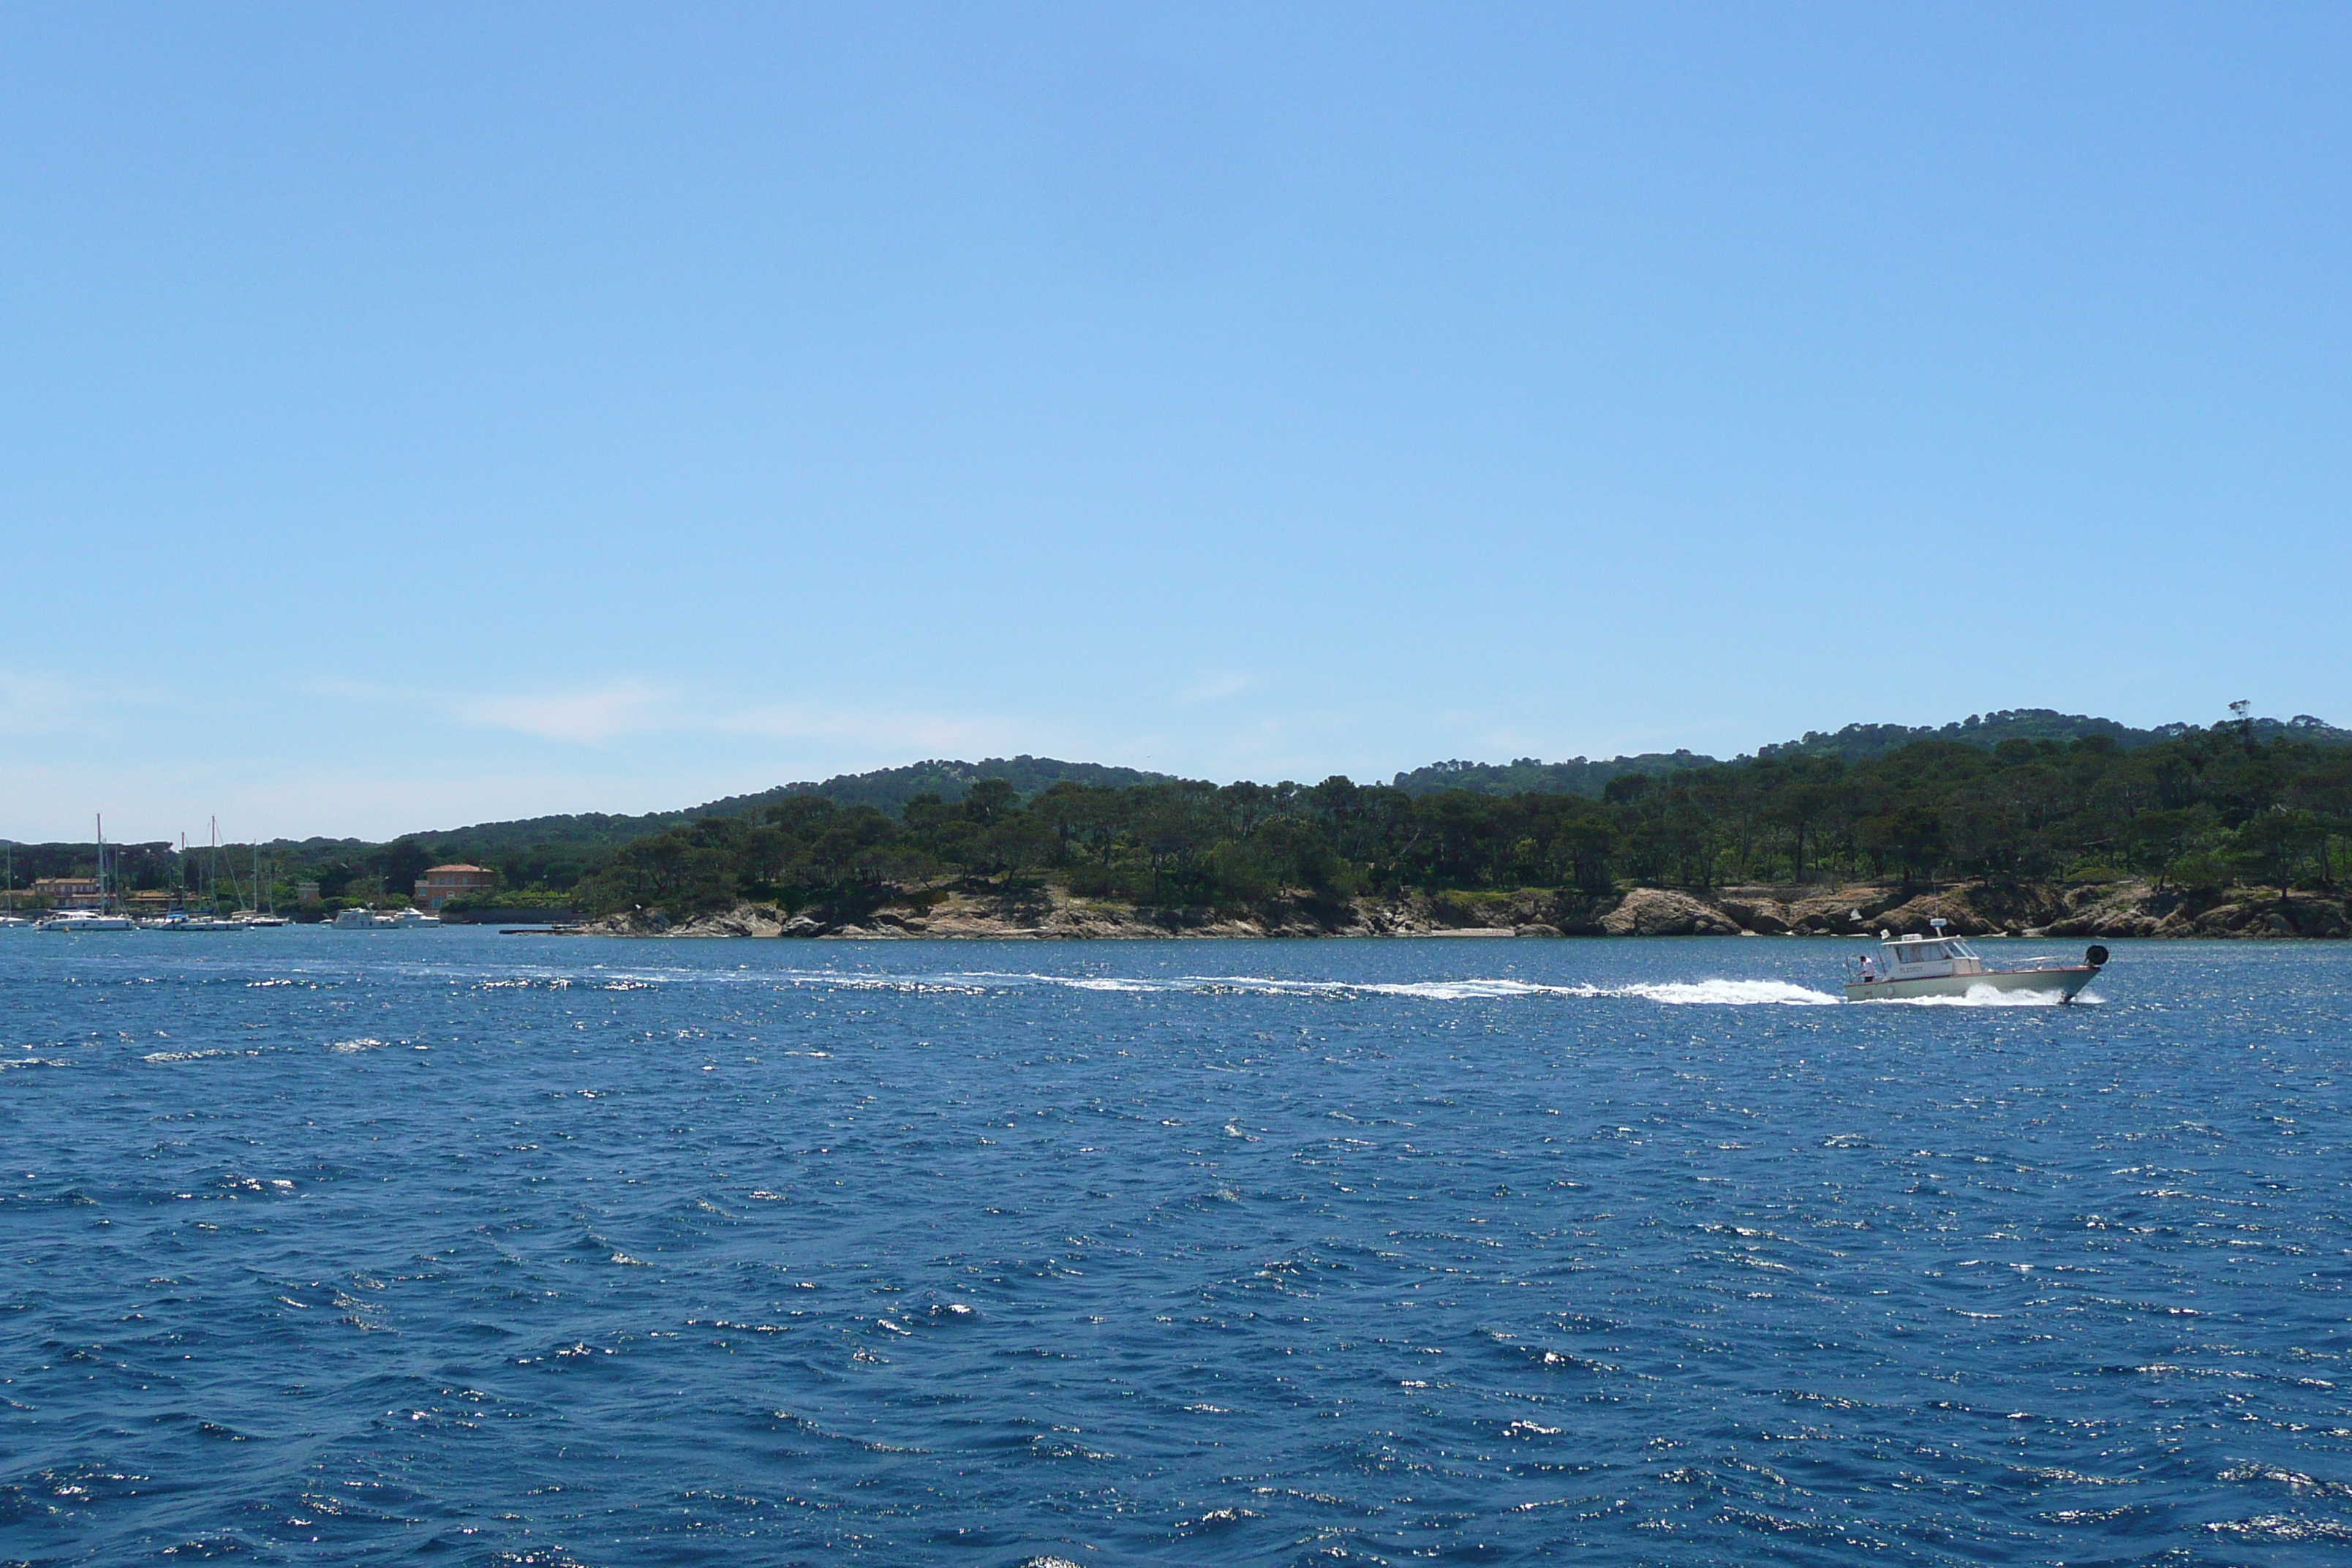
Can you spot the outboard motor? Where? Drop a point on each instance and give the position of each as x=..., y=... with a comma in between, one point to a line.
x=2096, y=956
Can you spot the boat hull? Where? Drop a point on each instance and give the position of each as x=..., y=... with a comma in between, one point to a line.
x=2063, y=983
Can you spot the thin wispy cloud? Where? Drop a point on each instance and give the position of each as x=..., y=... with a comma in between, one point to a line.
x=365, y=691
x=598, y=715
x=929, y=733
x=34, y=704
x=583, y=717
x=1216, y=685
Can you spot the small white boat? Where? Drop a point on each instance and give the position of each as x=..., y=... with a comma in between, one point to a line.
x=194, y=923
x=76, y=921
x=14, y=922
x=1909, y=967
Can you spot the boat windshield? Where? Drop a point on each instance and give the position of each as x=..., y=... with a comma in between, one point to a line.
x=1960, y=949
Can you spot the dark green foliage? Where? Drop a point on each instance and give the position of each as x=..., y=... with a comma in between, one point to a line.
x=890, y=789
x=563, y=848
x=403, y=861
x=2204, y=806
x=1855, y=743
x=1866, y=743
x=131, y=867
x=2012, y=797
x=1527, y=775
x=2019, y=726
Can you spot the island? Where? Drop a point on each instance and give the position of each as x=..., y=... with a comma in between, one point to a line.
x=2025, y=822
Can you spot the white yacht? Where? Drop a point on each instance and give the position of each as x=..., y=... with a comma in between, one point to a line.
x=1909, y=967
x=103, y=918
x=366, y=918
x=86, y=920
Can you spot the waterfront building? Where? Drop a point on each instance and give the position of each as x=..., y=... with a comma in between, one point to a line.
x=67, y=892
x=442, y=883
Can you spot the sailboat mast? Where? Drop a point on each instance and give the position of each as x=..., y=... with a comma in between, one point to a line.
x=102, y=905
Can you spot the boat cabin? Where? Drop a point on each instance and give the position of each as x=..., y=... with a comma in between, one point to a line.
x=1925, y=957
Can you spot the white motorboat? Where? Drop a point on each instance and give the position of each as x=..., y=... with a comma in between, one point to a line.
x=366, y=918
x=184, y=922
x=1910, y=967
x=74, y=921
x=14, y=922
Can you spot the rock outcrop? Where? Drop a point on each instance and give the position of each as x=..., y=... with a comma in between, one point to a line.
x=1855, y=910
x=2129, y=910
x=1654, y=912
x=743, y=920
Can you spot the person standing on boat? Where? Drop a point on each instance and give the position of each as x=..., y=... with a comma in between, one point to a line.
x=1869, y=968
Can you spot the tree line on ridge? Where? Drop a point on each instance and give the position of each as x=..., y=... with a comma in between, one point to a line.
x=2201, y=808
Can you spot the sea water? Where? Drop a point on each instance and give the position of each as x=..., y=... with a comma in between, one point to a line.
x=443, y=1246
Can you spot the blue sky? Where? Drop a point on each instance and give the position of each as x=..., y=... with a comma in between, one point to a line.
x=422, y=415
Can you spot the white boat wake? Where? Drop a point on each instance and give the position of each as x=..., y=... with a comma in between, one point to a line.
x=1697, y=993
x=1985, y=996
x=1707, y=992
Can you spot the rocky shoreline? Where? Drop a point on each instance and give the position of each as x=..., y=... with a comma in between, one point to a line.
x=1971, y=909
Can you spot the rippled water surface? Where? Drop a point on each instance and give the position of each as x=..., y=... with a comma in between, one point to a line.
x=329, y=1247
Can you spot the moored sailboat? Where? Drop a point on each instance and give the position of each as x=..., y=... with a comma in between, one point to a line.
x=102, y=919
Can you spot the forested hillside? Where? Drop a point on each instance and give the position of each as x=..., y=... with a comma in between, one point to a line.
x=1527, y=775
x=1862, y=743
x=2247, y=800
x=890, y=789
x=887, y=789
x=2206, y=807
x=1855, y=743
